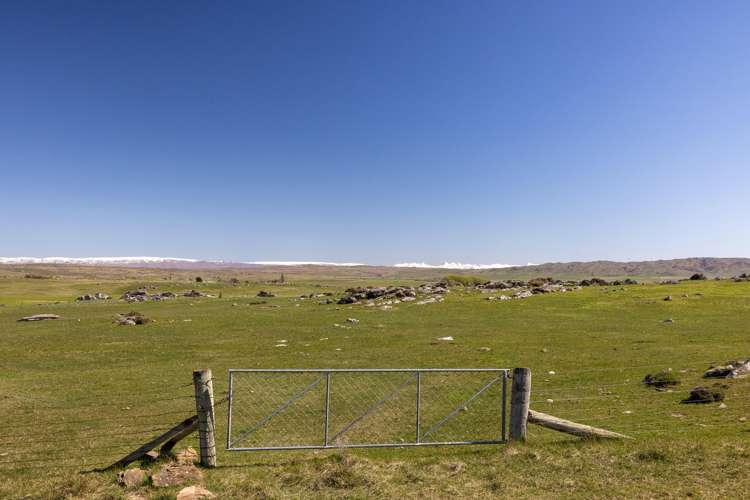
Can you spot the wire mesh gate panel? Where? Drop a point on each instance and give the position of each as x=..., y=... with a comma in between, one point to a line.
x=314, y=409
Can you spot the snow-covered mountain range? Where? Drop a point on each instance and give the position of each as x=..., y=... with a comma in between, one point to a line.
x=182, y=262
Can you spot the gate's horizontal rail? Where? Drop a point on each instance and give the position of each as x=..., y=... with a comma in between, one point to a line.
x=371, y=445
x=352, y=370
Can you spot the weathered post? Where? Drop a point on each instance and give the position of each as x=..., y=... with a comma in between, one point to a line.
x=520, y=395
x=204, y=405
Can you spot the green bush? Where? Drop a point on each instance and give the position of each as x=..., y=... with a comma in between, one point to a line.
x=463, y=280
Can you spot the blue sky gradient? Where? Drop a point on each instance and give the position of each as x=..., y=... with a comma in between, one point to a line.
x=375, y=132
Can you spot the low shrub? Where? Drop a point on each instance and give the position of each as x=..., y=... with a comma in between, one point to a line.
x=463, y=280
x=660, y=379
x=703, y=394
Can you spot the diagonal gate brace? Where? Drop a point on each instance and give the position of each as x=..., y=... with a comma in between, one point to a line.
x=283, y=406
x=458, y=408
x=374, y=407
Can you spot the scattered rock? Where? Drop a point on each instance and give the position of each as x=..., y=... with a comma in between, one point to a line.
x=352, y=320
x=175, y=474
x=484, y=349
x=132, y=478
x=429, y=300
x=447, y=339
x=194, y=493
x=264, y=293
x=131, y=318
x=90, y=297
x=698, y=277
x=193, y=293
x=40, y=317
x=668, y=320
x=142, y=295
x=732, y=369
x=668, y=298
x=705, y=395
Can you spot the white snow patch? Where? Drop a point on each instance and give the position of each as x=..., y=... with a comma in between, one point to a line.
x=456, y=265
x=302, y=263
x=91, y=260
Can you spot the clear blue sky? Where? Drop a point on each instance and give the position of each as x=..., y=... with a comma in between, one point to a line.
x=376, y=132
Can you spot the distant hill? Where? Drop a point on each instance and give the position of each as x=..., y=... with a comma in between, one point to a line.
x=656, y=269
x=674, y=268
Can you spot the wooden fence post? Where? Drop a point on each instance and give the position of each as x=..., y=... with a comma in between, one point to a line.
x=519, y=403
x=204, y=405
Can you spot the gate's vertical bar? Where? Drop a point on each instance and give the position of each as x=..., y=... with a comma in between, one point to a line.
x=419, y=404
x=229, y=411
x=504, y=408
x=328, y=404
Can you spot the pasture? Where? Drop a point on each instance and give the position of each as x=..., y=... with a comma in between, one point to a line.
x=81, y=391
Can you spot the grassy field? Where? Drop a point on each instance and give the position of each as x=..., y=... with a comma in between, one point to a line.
x=81, y=391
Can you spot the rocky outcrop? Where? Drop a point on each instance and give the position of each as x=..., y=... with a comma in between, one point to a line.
x=732, y=369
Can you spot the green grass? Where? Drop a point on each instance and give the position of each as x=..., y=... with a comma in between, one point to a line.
x=82, y=391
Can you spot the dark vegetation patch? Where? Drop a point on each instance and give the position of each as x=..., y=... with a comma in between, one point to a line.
x=702, y=394
x=652, y=456
x=463, y=280
x=661, y=379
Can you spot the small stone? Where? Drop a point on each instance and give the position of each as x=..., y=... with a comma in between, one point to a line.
x=194, y=493
x=722, y=406
x=484, y=349
x=40, y=317
x=550, y=401
x=352, y=320
x=131, y=478
x=668, y=298
x=551, y=372
x=175, y=474
x=446, y=339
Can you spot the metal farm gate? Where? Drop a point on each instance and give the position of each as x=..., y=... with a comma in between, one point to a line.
x=365, y=408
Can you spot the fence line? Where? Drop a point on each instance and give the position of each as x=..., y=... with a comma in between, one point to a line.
x=46, y=440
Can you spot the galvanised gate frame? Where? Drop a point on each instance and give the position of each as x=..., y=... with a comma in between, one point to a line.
x=308, y=395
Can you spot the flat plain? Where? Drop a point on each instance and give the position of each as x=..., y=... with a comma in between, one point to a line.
x=81, y=391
